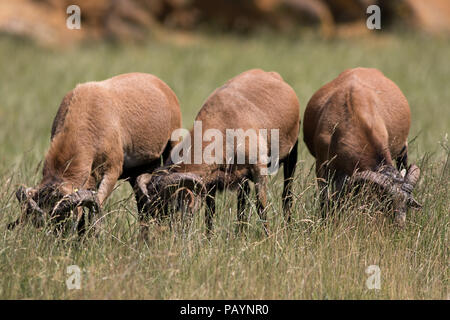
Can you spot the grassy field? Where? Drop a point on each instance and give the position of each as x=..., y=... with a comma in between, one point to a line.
x=309, y=260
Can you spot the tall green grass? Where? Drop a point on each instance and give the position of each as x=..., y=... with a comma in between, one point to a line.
x=309, y=260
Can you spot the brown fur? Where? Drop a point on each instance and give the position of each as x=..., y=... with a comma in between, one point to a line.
x=108, y=130
x=252, y=100
x=360, y=120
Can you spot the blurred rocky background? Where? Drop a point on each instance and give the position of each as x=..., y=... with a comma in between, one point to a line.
x=44, y=21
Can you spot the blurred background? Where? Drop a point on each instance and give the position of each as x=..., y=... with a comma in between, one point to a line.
x=43, y=21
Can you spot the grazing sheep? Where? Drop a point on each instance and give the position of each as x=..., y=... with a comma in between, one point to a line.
x=103, y=131
x=355, y=126
x=251, y=102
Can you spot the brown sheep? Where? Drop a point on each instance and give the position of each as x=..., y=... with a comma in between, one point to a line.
x=355, y=126
x=103, y=131
x=251, y=101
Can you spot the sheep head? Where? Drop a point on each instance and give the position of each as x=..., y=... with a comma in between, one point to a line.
x=397, y=187
x=49, y=202
x=184, y=190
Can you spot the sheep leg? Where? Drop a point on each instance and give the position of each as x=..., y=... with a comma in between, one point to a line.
x=141, y=200
x=243, y=193
x=140, y=195
x=210, y=210
x=107, y=184
x=402, y=158
x=260, y=188
x=140, y=203
x=322, y=183
x=80, y=222
x=139, y=185
x=106, y=187
x=289, y=170
x=339, y=181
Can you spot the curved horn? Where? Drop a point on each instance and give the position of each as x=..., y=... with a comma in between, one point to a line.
x=22, y=194
x=84, y=198
x=142, y=183
x=401, y=191
x=25, y=196
x=186, y=194
x=33, y=206
x=163, y=186
x=191, y=197
x=413, y=175
x=379, y=179
x=188, y=180
x=411, y=179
